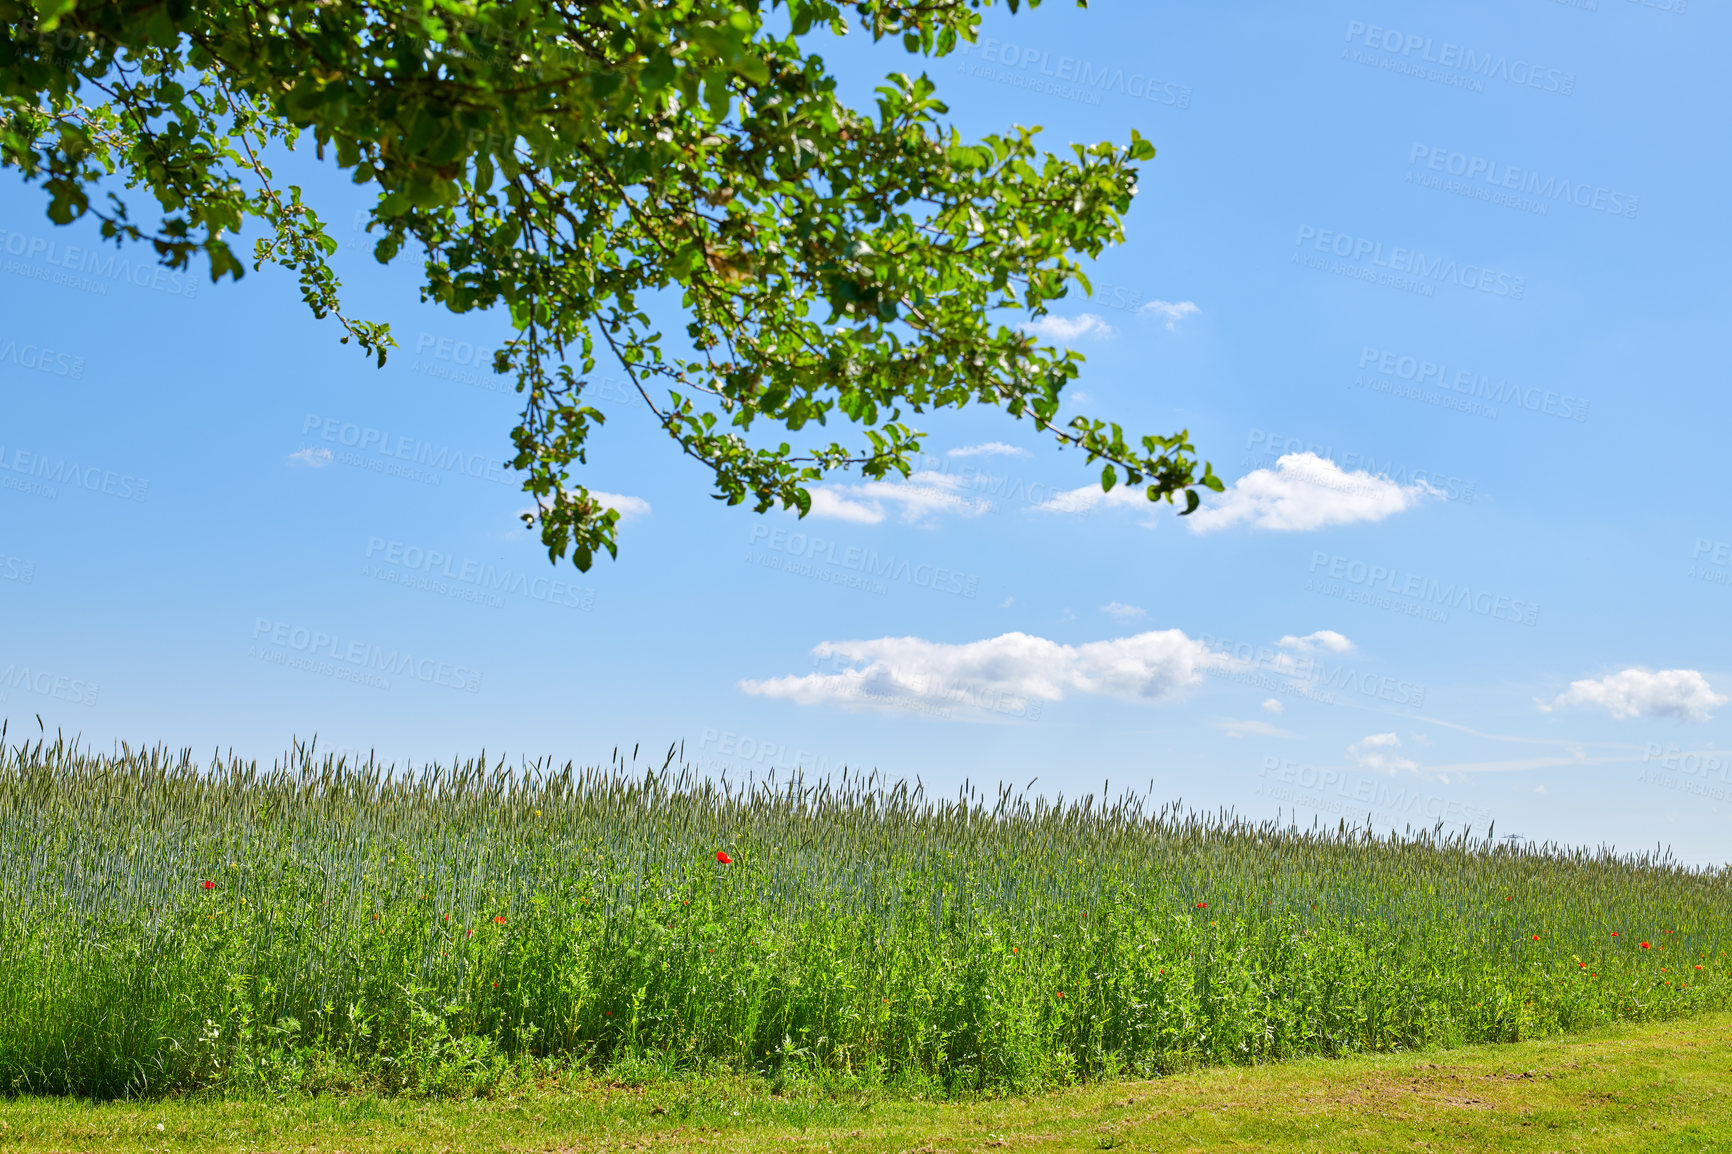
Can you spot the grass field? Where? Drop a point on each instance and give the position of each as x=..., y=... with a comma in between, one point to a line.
x=1652, y=1088
x=319, y=927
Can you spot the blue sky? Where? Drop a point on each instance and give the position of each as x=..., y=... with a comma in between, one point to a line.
x=1439, y=290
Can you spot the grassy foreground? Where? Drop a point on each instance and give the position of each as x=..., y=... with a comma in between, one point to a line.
x=312, y=927
x=1653, y=1088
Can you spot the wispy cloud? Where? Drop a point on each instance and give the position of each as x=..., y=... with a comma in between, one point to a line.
x=311, y=458
x=1171, y=311
x=1123, y=612
x=1232, y=727
x=1683, y=694
x=1068, y=328
x=915, y=501
x=988, y=449
x=1303, y=492
x=1379, y=751
x=1322, y=641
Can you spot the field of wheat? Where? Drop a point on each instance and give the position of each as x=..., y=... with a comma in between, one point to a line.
x=172, y=925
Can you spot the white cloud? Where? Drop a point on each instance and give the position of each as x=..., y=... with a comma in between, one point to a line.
x=1314, y=642
x=988, y=449
x=1172, y=311
x=1068, y=328
x=1681, y=693
x=1123, y=612
x=311, y=458
x=1304, y=491
x=1235, y=728
x=915, y=500
x=1001, y=674
x=1085, y=500
x=629, y=508
x=1377, y=751
x=1007, y=602
x=1273, y=705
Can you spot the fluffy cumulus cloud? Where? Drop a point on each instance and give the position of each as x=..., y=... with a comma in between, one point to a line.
x=1381, y=752
x=1068, y=328
x=1005, y=674
x=1322, y=641
x=988, y=449
x=1304, y=491
x=1680, y=693
x=915, y=501
x=1170, y=311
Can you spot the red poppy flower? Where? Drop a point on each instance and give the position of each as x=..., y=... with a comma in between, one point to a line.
x=1202, y=905
x=1536, y=937
x=1646, y=946
x=210, y=885
x=1614, y=933
x=722, y=856
x=498, y=919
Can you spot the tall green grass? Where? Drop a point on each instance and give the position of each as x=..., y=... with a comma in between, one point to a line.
x=428, y=931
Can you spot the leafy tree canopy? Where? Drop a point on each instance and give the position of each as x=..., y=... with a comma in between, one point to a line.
x=567, y=159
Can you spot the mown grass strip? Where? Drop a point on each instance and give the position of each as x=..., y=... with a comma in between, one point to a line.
x=1650, y=1088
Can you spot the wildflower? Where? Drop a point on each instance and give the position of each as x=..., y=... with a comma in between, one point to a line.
x=1536, y=937
x=209, y=885
x=498, y=919
x=1646, y=946
x=469, y=933
x=1698, y=967
x=1061, y=993
x=1614, y=933
x=722, y=856
x=1202, y=905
